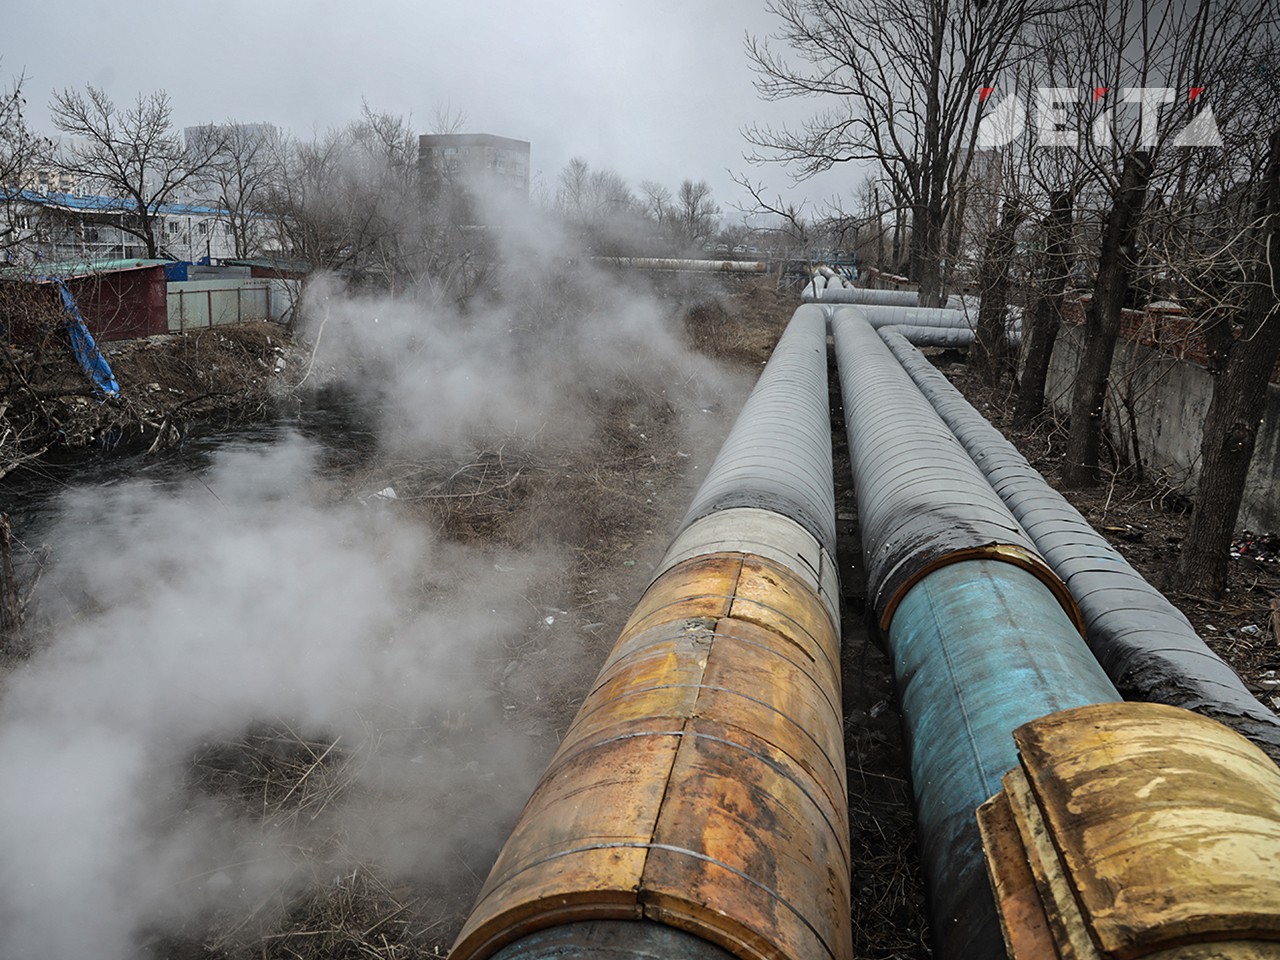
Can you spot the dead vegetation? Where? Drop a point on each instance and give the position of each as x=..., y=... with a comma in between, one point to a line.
x=606, y=506
x=169, y=383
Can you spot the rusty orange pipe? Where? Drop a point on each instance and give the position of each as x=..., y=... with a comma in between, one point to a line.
x=702, y=784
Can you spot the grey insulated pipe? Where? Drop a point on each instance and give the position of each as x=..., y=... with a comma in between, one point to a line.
x=910, y=473
x=867, y=296
x=982, y=635
x=1145, y=644
x=777, y=457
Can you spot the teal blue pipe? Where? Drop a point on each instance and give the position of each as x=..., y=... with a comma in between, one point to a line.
x=980, y=647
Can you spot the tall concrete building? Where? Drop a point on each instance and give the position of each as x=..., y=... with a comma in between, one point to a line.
x=476, y=160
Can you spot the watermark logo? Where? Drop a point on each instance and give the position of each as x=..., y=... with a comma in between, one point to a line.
x=1051, y=121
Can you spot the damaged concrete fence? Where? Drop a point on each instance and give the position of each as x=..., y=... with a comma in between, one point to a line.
x=1170, y=397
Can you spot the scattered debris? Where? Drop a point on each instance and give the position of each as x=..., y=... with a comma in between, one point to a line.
x=1264, y=547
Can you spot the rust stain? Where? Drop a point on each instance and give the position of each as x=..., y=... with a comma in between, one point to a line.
x=1150, y=831
x=702, y=783
x=1022, y=918
x=701, y=587
x=1004, y=552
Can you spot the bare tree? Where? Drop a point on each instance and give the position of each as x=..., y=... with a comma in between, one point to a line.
x=1154, y=49
x=599, y=207
x=990, y=353
x=902, y=78
x=696, y=212
x=657, y=203
x=343, y=200
x=1045, y=316
x=447, y=119
x=1239, y=400
x=794, y=226
x=241, y=179
x=20, y=149
x=132, y=155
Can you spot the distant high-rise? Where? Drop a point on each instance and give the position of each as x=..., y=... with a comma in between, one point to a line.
x=474, y=160
x=255, y=134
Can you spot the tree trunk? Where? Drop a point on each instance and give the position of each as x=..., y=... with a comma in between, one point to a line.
x=1102, y=323
x=897, y=240
x=10, y=615
x=990, y=353
x=1235, y=412
x=926, y=240
x=1042, y=327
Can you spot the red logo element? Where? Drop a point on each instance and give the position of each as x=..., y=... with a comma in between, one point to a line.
x=1195, y=92
x=1099, y=93
x=985, y=92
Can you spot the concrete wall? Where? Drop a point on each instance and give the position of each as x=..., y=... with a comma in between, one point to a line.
x=1170, y=398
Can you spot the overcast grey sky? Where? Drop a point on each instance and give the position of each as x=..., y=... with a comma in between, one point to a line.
x=654, y=89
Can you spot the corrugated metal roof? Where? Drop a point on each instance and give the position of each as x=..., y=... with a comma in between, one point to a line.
x=71, y=269
x=95, y=204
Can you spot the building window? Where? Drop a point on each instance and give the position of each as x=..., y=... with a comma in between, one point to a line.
x=203, y=228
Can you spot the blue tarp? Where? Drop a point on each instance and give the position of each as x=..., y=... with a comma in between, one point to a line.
x=86, y=350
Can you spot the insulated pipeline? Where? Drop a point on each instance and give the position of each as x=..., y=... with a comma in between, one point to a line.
x=868, y=296
x=777, y=457
x=922, y=502
x=881, y=315
x=697, y=806
x=982, y=635
x=1146, y=645
x=697, y=266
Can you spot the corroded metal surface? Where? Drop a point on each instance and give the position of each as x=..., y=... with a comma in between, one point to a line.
x=702, y=785
x=1150, y=831
x=1146, y=645
x=1168, y=824
x=764, y=534
x=1022, y=918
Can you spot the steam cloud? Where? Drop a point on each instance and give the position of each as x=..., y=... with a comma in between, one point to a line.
x=186, y=613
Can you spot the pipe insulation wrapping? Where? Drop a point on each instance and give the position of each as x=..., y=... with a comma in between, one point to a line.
x=867, y=296
x=922, y=502
x=702, y=786
x=777, y=456
x=1146, y=645
x=980, y=631
x=892, y=316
